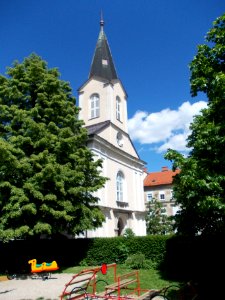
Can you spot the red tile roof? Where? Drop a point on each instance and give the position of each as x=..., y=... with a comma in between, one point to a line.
x=160, y=178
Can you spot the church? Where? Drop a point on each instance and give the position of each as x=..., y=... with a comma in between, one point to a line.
x=103, y=108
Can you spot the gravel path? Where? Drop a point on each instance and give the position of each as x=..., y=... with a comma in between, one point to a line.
x=26, y=288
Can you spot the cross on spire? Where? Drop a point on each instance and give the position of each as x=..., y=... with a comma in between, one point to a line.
x=102, y=21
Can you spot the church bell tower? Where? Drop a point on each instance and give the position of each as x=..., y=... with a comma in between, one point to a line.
x=103, y=103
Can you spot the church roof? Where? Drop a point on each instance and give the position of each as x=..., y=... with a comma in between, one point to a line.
x=160, y=178
x=102, y=62
x=96, y=128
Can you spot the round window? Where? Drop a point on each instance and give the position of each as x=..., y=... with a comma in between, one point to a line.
x=119, y=138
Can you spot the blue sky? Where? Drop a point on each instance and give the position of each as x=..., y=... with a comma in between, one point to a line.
x=152, y=43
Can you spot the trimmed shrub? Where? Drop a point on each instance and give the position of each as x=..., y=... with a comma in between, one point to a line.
x=138, y=261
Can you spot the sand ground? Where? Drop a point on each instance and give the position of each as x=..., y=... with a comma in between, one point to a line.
x=26, y=288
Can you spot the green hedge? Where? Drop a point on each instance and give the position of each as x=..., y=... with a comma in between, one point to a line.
x=179, y=257
x=117, y=249
x=14, y=255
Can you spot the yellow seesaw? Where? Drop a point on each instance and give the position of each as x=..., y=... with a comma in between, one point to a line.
x=43, y=267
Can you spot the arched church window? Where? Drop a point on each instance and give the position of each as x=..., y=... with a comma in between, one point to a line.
x=119, y=186
x=94, y=106
x=118, y=108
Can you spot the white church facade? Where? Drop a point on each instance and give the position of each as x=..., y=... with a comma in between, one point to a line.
x=103, y=103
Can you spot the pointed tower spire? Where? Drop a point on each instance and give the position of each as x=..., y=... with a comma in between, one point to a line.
x=102, y=63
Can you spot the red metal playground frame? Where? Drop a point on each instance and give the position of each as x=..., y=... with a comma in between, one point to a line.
x=127, y=286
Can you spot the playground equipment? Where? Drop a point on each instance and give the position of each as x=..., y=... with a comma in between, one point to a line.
x=85, y=285
x=42, y=270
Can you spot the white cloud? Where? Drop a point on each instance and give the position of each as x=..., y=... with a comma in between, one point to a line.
x=167, y=128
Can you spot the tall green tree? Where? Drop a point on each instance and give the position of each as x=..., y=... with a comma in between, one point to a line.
x=47, y=174
x=158, y=223
x=200, y=187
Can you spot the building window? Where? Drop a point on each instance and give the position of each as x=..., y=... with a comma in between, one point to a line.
x=94, y=106
x=149, y=197
x=161, y=196
x=118, y=108
x=119, y=186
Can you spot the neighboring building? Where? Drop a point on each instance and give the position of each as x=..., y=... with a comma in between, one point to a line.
x=159, y=186
x=103, y=103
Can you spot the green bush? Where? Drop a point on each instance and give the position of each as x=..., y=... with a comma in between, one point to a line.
x=138, y=261
x=128, y=233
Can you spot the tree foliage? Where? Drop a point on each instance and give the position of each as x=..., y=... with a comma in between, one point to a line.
x=158, y=223
x=200, y=187
x=47, y=174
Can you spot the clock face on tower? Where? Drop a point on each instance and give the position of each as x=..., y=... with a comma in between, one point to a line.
x=119, y=139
